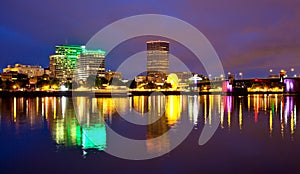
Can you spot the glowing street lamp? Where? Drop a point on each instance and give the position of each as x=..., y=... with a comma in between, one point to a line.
x=292, y=69
x=241, y=75
x=271, y=70
x=222, y=76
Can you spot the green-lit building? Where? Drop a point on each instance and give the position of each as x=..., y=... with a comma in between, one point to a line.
x=64, y=62
x=91, y=62
x=69, y=50
x=74, y=61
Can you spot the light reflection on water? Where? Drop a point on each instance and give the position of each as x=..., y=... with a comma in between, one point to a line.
x=275, y=113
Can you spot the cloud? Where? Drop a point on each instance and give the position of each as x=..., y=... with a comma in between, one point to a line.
x=243, y=32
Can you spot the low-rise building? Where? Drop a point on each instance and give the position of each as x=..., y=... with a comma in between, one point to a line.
x=112, y=74
x=29, y=70
x=9, y=76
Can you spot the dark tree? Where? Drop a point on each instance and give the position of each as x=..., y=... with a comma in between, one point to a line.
x=72, y=85
x=150, y=85
x=166, y=85
x=54, y=82
x=95, y=81
x=131, y=84
x=91, y=81
x=22, y=81
x=1, y=83
x=116, y=82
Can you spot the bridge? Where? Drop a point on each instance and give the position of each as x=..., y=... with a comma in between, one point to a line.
x=286, y=85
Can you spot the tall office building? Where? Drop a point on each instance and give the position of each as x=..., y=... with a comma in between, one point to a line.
x=91, y=62
x=157, y=58
x=64, y=62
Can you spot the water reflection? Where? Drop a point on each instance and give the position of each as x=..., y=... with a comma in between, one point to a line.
x=277, y=114
x=162, y=120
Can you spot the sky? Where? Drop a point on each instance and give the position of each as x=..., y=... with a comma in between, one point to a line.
x=250, y=36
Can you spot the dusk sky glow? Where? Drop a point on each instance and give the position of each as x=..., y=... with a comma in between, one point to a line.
x=249, y=36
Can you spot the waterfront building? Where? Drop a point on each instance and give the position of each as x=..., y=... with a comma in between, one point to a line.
x=91, y=62
x=29, y=70
x=64, y=62
x=47, y=71
x=9, y=76
x=183, y=77
x=113, y=74
x=158, y=59
x=140, y=79
x=14, y=80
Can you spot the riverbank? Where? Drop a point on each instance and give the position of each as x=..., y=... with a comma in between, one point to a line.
x=121, y=93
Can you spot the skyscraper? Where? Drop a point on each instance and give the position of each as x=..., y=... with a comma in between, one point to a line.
x=64, y=62
x=158, y=58
x=91, y=62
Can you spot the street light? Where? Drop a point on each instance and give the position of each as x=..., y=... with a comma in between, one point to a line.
x=292, y=72
x=229, y=74
x=241, y=75
x=222, y=76
x=271, y=70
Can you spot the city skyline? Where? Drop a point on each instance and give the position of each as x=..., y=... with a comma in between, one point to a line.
x=155, y=86
x=251, y=37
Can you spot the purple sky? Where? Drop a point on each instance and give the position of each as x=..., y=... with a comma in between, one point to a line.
x=249, y=36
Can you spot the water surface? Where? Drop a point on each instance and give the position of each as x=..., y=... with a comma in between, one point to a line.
x=257, y=133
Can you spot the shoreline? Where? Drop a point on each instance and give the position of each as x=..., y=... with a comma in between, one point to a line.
x=125, y=93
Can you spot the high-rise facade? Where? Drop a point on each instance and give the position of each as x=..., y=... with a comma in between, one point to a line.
x=64, y=62
x=91, y=62
x=157, y=58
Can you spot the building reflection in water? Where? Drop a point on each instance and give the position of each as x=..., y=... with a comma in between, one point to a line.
x=193, y=108
x=158, y=124
x=162, y=113
x=88, y=128
x=161, y=122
